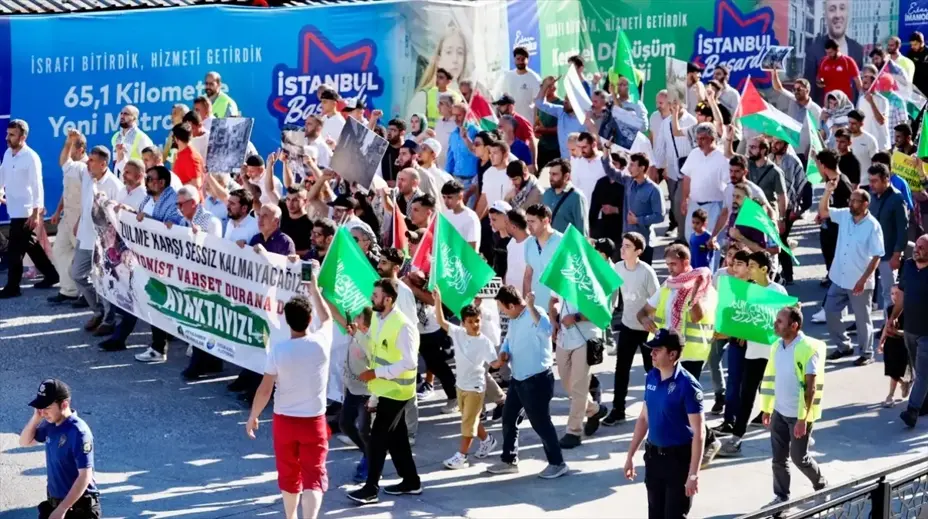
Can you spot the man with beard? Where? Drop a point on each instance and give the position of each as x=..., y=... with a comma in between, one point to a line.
x=223, y=105
x=837, y=21
x=695, y=90
x=522, y=129
x=521, y=84
x=567, y=205
x=129, y=141
x=836, y=71
x=407, y=189
x=860, y=248
x=587, y=169
x=768, y=177
x=567, y=121
x=69, y=209
x=313, y=132
x=800, y=100
x=322, y=235
x=798, y=197
x=705, y=176
x=294, y=220
x=431, y=177
x=737, y=176
x=396, y=136
x=893, y=45
x=919, y=56
x=913, y=281
x=525, y=190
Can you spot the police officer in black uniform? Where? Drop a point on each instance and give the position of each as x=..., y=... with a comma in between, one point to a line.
x=68, y=443
x=673, y=422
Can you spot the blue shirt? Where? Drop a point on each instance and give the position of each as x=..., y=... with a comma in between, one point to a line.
x=215, y=207
x=538, y=258
x=700, y=253
x=278, y=243
x=68, y=448
x=567, y=123
x=914, y=284
x=903, y=187
x=461, y=162
x=521, y=151
x=858, y=243
x=531, y=352
x=669, y=403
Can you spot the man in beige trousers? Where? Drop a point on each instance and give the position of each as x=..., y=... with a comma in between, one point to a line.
x=66, y=215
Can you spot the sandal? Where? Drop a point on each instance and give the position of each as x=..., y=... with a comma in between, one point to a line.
x=906, y=387
x=889, y=402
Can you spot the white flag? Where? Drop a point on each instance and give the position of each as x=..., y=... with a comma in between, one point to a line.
x=577, y=95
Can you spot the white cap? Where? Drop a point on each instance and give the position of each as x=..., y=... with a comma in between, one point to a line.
x=501, y=206
x=433, y=145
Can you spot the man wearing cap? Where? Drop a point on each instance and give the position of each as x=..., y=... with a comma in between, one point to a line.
x=506, y=105
x=71, y=489
x=343, y=209
x=431, y=177
x=332, y=121
x=672, y=419
x=695, y=90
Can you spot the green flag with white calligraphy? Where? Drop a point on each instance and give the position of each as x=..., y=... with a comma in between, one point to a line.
x=347, y=278
x=753, y=215
x=747, y=310
x=457, y=270
x=580, y=276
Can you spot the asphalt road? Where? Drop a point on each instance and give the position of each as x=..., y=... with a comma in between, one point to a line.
x=169, y=448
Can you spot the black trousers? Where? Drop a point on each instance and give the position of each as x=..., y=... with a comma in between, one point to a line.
x=544, y=157
x=828, y=238
x=355, y=420
x=159, y=340
x=432, y=347
x=786, y=262
x=87, y=507
x=204, y=362
x=695, y=369
x=666, y=472
x=627, y=343
x=389, y=434
x=750, y=382
x=22, y=242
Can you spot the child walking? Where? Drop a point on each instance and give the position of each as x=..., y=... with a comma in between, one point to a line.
x=895, y=355
x=472, y=352
x=700, y=251
x=355, y=417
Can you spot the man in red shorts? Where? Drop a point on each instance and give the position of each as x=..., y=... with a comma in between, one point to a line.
x=300, y=367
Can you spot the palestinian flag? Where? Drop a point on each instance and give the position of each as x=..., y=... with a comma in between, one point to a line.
x=757, y=115
x=400, y=241
x=810, y=133
x=481, y=113
x=422, y=260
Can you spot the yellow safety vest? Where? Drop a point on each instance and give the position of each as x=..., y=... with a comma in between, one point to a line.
x=134, y=151
x=802, y=353
x=431, y=104
x=697, y=337
x=384, y=353
x=223, y=104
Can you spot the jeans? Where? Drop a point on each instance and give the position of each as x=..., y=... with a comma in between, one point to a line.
x=23, y=241
x=887, y=280
x=355, y=420
x=835, y=302
x=629, y=341
x=389, y=434
x=534, y=396
x=735, y=374
x=752, y=374
x=715, y=366
x=467, y=182
x=917, y=345
x=666, y=472
x=786, y=446
x=432, y=348
x=80, y=273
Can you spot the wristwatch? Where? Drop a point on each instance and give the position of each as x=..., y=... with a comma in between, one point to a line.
x=694, y=477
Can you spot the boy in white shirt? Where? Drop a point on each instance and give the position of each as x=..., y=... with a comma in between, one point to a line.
x=472, y=352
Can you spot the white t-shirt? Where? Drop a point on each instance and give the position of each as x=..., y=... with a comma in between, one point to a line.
x=302, y=369
x=786, y=384
x=654, y=123
x=108, y=185
x=406, y=302
x=496, y=183
x=639, y=285
x=880, y=132
x=584, y=173
x=523, y=88
x=471, y=355
x=466, y=223
x=756, y=350
x=864, y=147
x=708, y=175
x=515, y=262
x=332, y=126
x=265, y=198
x=323, y=152
x=132, y=199
x=243, y=230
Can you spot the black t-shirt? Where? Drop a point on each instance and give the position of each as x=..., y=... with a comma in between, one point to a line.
x=299, y=230
x=850, y=167
x=481, y=169
x=388, y=166
x=920, y=59
x=500, y=256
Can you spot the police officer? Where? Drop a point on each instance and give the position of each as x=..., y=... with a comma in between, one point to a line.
x=673, y=422
x=68, y=443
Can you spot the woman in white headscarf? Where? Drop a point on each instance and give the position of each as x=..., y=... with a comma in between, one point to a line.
x=834, y=115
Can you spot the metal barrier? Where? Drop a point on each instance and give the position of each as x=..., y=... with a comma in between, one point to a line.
x=900, y=491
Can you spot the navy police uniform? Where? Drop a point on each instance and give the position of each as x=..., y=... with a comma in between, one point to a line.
x=68, y=449
x=669, y=447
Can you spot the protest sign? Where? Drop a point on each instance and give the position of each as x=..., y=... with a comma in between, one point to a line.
x=747, y=311
x=774, y=58
x=228, y=142
x=906, y=167
x=358, y=153
x=211, y=293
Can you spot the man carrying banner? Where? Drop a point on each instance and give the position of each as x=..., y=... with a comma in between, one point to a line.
x=686, y=304
x=394, y=346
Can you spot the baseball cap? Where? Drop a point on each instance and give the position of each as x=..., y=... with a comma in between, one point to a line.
x=500, y=206
x=355, y=104
x=411, y=146
x=344, y=201
x=433, y=145
x=693, y=67
x=50, y=391
x=605, y=246
x=329, y=95
x=666, y=339
x=505, y=99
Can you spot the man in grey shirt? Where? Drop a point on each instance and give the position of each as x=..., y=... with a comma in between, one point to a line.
x=767, y=175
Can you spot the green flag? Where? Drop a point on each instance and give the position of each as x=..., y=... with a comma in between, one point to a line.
x=753, y=215
x=624, y=66
x=815, y=145
x=747, y=310
x=923, y=139
x=582, y=278
x=457, y=270
x=347, y=278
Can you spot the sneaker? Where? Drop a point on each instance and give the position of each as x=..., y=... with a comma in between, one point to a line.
x=10, y=293
x=838, y=354
x=112, y=345
x=819, y=317
x=863, y=361
x=456, y=462
x=569, y=441
x=497, y=412
x=725, y=429
x=503, y=468
x=592, y=422
x=404, y=488
x=80, y=303
x=758, y=420
x=718, y=407
x=412, y=440
x=611, y=349
x=190, y=350
x=909, y=417
x=776, y=501
x=424, y=391
x=711, y=451
x=820, y=485
x=731, y=448
x=450, y=407
x=61, y=298
x=360, y=472
x=485, y=447
x=364, y=495
x=554, y=471
x=615, y=418
x=151, y=356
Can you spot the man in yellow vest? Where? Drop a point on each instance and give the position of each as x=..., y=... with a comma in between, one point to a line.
x=129, y=141
x=442, y=81
x=394, y=347
x=686, y=304
x=223, y=105
x=791, y=400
